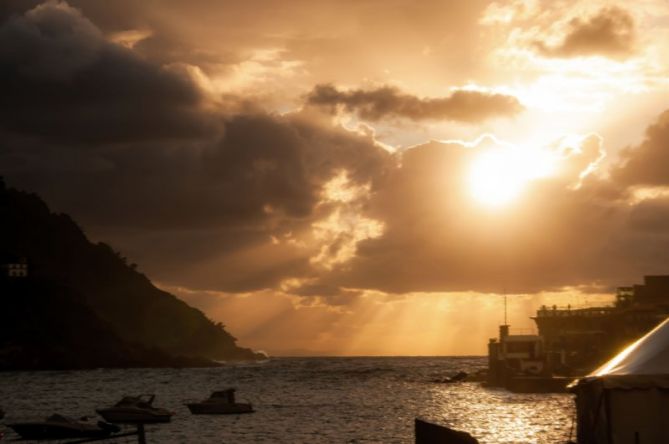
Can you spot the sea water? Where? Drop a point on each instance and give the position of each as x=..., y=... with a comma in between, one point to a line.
x=303, y=400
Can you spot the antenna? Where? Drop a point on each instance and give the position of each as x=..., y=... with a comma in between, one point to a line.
x=505, y=322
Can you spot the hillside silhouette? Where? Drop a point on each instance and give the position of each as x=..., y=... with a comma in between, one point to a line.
x=82, y=305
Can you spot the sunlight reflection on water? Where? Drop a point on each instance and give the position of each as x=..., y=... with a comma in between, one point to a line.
x=497, y=416
x=311, y=400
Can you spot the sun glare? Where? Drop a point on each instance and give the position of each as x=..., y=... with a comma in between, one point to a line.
x=499, y=176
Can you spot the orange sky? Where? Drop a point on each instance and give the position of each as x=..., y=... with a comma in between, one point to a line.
x=351, y=177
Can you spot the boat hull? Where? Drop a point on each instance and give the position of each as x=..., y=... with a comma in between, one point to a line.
x=36, y=431
x=133, y=416
x=219, y=409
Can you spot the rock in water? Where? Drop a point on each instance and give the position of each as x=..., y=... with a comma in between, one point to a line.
x=428, y=433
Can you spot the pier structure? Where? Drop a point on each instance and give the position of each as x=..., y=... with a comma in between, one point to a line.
x=578, y=339
x=572, y=341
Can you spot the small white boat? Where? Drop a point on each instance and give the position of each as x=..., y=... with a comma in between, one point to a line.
x=221, y=402
x=135, y=410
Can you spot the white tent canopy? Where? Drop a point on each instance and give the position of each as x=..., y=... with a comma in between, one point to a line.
x=647, y=356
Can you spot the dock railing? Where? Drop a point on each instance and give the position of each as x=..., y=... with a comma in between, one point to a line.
x=568, y=310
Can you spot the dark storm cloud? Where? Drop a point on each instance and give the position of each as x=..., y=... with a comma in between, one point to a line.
x=610, y=32
x=260, y=166
x=188, y=211
x=389, y=102
x=60, y=79
x=131, y=150
x=647, y=163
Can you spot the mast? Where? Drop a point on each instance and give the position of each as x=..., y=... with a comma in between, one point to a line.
x=505, y=319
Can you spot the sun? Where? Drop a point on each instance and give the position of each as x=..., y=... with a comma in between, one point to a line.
x=498, y=176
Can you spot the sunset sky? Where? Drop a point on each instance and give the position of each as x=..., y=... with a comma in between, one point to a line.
x=351, y=177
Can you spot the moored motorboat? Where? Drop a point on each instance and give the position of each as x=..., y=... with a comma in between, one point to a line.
x=61, y=427
x=135, y=410
x=220, y=402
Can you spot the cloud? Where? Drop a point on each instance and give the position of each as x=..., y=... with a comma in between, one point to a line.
x=135, y=153
x=171, y=133
x=554, y=236
x=187, y=210
x=650, y=217
x=646, y=164
x=209, y=197
x=389, y=102
x=61, y=80
x=331, y=39
x=610, y=33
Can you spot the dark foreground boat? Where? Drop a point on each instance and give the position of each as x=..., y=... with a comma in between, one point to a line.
x=135, y=410
x=221, y=402
x=62, y=427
